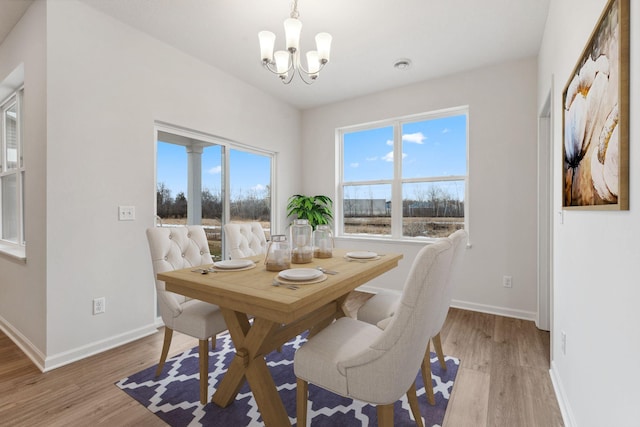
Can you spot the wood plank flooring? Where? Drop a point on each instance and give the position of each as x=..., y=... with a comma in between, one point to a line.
x=503, y=379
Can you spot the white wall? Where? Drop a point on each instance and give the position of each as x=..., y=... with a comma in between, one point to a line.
x=502, y=176
x=596, y=258
x=23, y=306
x=106, y=86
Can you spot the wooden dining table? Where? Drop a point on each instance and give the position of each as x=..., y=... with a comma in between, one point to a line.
x=262, y=317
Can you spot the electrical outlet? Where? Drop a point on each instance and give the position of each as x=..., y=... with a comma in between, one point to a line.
x=126, y=213
x=563, y=342
x=99, y=305
x=507, y=281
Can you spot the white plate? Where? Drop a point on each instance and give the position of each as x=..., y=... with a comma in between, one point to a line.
x=362, y=255
x=300, y=274
x=233, y=264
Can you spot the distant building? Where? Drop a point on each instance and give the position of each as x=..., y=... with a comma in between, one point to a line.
x=366, y=207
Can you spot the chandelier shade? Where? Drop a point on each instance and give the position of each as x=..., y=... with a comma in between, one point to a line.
x=286, y=63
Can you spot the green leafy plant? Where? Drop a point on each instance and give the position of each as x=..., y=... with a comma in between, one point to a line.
x=316, y=209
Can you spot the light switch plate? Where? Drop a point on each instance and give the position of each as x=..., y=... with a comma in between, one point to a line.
x=126, y=213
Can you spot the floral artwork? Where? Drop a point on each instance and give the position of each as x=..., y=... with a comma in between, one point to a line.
x=595, y=104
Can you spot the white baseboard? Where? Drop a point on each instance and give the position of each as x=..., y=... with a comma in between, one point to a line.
x=465, y=305
x=91, y=349
x=47, y=363
x=492, y=309
x=561, y=397
x=27, y=347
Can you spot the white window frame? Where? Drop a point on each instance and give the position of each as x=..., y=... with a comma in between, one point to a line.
x=14, y=249
x=227, y=145
x=396, y=181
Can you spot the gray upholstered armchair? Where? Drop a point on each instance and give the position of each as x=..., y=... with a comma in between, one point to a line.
x=356, y=359
x=379, y=309
x=244, y=240
x=173, y=249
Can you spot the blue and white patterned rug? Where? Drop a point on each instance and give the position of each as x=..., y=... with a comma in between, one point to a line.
x=174, y=395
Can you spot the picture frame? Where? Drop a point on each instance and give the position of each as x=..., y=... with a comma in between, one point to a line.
x=595, y=118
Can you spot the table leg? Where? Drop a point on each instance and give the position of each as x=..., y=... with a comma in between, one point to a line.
x=249, y=363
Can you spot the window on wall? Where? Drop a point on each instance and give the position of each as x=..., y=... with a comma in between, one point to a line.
x=12, y=172
x=404, y=178
x=203, y=181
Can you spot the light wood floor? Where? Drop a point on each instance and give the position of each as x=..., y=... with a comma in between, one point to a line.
x=503, y=379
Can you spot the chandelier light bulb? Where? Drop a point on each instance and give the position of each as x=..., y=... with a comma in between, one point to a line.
x=313, y=63
x=267, y=42
x=282, y=62
x=323, y=44
x=292, y=30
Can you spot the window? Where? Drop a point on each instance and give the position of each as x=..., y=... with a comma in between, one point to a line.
x=404, y=178
x=12, y=172
x=203, y=180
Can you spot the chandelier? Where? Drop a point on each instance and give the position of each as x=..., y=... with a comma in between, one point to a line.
x=286, y=63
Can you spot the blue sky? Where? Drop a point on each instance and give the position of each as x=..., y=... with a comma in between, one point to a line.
x=431, y=148
x=248, y=172
x=436, y=147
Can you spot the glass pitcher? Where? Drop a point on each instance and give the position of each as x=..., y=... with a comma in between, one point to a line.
x=301, y=244
x=322, y=242
x=278, y=254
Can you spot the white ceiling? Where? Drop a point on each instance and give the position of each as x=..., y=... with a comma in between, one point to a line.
x=440, y=37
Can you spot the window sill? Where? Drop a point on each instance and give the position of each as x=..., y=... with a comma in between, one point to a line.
x=16, y=253
x=420, y=241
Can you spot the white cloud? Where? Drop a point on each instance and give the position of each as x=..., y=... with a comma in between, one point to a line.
x=445, y=130
x=215, y=170
x=416, y=138
x=389, y=156
x=258, y=187
x=390, y=142
x=354, y=165
x=371, y=159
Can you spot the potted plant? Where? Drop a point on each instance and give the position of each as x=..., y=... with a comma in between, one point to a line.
x=316, y=209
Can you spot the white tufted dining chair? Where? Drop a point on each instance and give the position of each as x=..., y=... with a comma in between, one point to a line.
x=378, y=309
x=245, y=239
x=173, y=249
x=355, y=359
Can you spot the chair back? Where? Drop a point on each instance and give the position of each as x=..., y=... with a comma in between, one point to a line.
x=383, y=372
x=244, y=240
x=459, y=242
x=174, y=248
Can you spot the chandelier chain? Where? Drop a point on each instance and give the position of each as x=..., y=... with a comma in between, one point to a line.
x=294, y=10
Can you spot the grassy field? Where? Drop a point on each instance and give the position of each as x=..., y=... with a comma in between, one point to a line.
x=412, y=227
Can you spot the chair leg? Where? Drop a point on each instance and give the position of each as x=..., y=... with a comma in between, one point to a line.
x=203, y=355
x=213, y=343
x=426, y=375
x=168, y=334
x=412, y=397
x=302, y=390
x=385, y=415
x=437, y=343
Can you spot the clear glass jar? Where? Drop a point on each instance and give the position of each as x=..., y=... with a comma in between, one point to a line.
x=301, y=243
x=278, y=256
x=322, y=242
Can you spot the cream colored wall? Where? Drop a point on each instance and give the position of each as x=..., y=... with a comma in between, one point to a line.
x=23, y=308
x=106, y=86
x=596, y=257
x=502, y=176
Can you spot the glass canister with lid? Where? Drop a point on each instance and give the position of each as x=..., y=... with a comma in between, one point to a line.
x=301, y=243
x=278, y=254
x=322, y=242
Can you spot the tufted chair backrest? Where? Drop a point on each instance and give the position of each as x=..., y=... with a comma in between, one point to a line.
x=244, y=240
x=174, y=248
